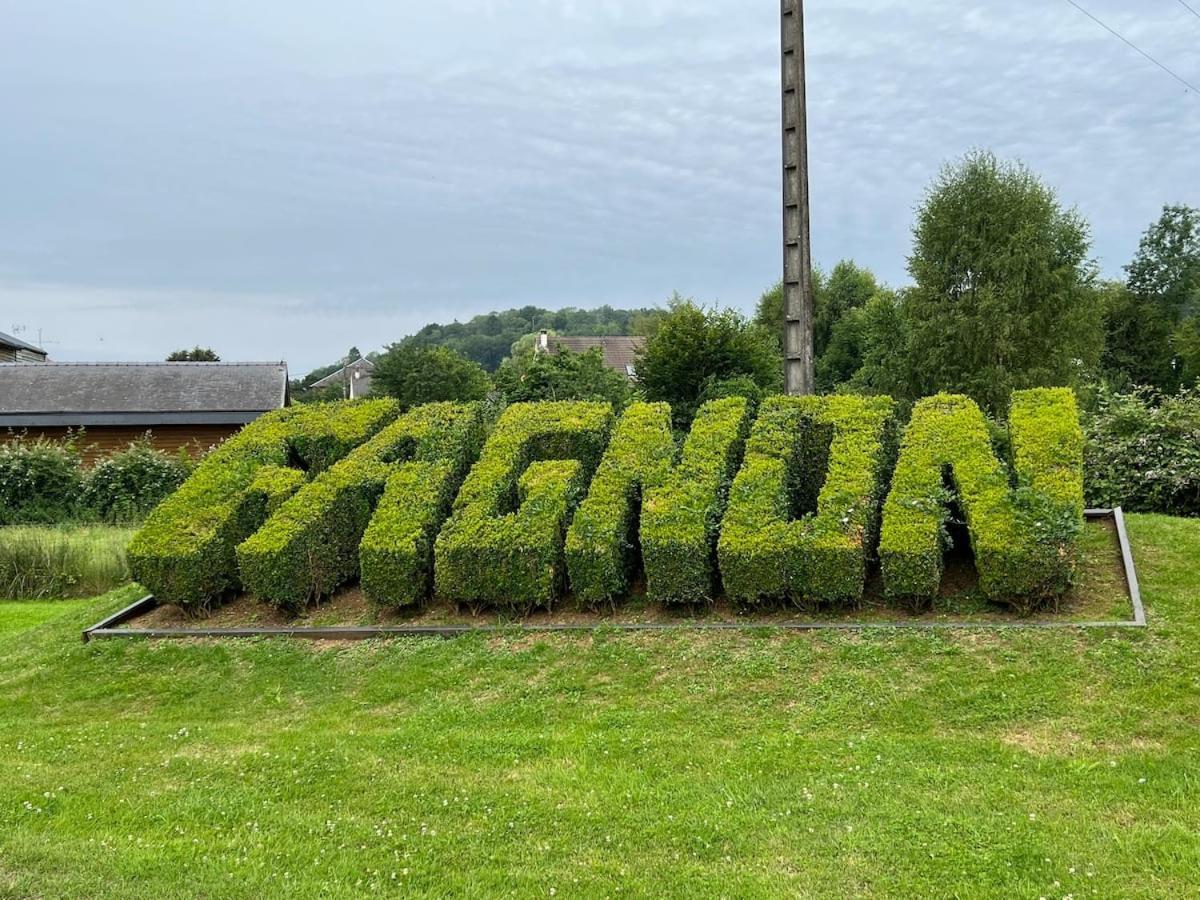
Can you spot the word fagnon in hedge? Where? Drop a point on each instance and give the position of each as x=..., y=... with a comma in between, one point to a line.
x=789, y=503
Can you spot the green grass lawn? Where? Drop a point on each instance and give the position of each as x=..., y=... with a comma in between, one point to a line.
x=886, y=763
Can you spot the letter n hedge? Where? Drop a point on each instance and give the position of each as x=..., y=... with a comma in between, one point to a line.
x=1023, y=536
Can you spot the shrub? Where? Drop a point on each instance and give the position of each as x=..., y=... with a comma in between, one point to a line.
x=504, y=542
x=185, y=553
x=1023, y=539
x=311, y=546
x=603, y=533
x=40, y=482
x=125, y=487
x=681, y=515
x=1143, y=452
x=785, y=533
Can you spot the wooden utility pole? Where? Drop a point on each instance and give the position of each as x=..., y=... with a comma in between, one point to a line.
x=797, y=248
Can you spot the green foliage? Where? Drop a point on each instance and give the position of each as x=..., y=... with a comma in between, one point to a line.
x=419, y=375
x=504, y=542
x=787, y=534
x=123, y=488
x=1153, y=338
x=196, y=354
x=489, y=338
x=311, y=545
x=530, y=376
x=603, y=535
x=185, y=553
x=681, y=514
x=1166, y=268
x=692, y=348
x=1003, y=296
x=1137, y=343
x=41, y=481
x=1023, y=539
x=52, y=563
x=839, y=301
x=1143, y=452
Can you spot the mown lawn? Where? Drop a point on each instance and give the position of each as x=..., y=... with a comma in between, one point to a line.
x=1015, y=764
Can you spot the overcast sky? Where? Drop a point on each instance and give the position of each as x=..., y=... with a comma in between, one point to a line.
x=285, y=178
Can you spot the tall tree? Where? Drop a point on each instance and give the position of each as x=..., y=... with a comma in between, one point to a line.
x=1004, y=295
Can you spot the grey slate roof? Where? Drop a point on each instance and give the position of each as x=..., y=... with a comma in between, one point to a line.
x=7, y=340
x=620, y=353
x=61, y=393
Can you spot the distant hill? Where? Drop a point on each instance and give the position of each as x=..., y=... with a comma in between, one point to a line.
x=488, y=338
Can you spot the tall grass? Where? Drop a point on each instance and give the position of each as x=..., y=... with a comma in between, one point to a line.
x=41, y=563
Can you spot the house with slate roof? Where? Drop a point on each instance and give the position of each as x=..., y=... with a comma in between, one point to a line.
x=354, y=379
x=619, y=353
x=16, y=350
x=180, y=404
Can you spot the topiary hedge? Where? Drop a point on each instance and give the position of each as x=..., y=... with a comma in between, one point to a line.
x=311, y=546
x=1023, y=538
x=185, y=553
x=603, y=534
x=787, y=534
x=504, y=542
x=681, y=514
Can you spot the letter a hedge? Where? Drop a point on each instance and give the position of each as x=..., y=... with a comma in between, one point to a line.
x=311, y=546
x=1023, y=538
x=770, y=546
x=185, y=553
x=504, y=542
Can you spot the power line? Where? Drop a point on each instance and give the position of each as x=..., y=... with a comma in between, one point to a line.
x=1187, y=84
x=1190, y=8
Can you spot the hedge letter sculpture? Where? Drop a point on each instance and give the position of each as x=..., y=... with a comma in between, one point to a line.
x=504, y=542
x=337, y=524
x=772, y=544
x=1023, y=537
x=185, y=553
x=681, y=505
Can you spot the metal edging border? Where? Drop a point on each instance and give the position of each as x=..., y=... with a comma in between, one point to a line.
x=111, y=627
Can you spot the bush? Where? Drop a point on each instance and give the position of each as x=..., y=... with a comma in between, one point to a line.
x=1143, y=452
x=41, y=482
x=123, y=488
x=504, y=542
x=51, y=563
x=696, y=354
x=311, y=546
x=1023, y=539
x=681, y=515
x=185, y=553
x=419, y=375
x=603, y=533
x=785, y=533
x=529, y=376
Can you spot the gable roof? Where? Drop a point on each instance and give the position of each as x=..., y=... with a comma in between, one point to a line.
x=74, y=394
x=360, y=368
x=7, y=340
x=620, y=353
